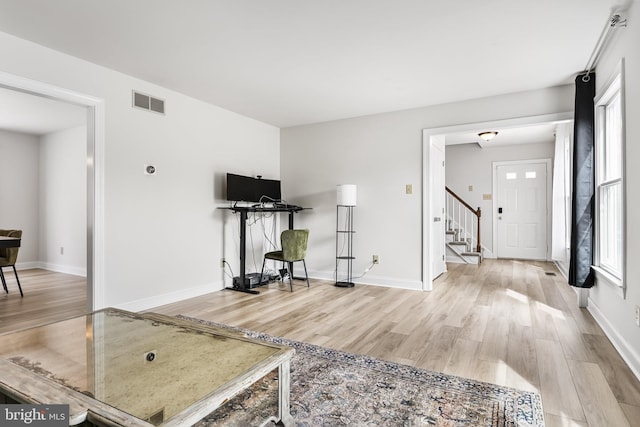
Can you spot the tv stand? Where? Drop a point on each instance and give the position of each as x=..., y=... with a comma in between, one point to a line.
x=244, y=282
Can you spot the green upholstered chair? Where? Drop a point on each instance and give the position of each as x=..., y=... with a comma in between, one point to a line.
x=294, y=248
x=8, y=257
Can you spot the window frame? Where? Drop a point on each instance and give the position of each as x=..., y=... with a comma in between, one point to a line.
x=613, y=88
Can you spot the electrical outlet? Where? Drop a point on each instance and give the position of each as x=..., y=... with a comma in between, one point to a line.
x=61, y=250
x=637, y=315
x=376, y=259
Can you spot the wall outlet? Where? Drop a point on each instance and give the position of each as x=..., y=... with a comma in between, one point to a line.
x=61, y=250
x=637, y=315
x=376, y=259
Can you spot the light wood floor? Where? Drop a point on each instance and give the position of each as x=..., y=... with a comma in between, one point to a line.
x=505, y=322
x=48, y=297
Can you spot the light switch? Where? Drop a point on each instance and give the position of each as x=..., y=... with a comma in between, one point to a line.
x=408, y=189
x=486, y=197
x=471, y=188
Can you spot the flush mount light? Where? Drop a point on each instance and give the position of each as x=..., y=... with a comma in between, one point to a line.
x=488, y=136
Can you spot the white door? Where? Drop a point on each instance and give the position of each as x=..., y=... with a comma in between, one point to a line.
x=436, y=163
x=521, y=209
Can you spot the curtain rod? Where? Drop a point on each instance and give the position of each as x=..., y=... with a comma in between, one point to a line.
x=614, y=21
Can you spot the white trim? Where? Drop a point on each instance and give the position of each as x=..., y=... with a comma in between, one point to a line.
x=427, y=265
x=66, y=269
x=615, y=84
x=495, y=165
x=171, y=297
x=58, y=268
x=95, y=173
x=563, y=271
x=626, y=351
x=603, y=276
x=370, y=279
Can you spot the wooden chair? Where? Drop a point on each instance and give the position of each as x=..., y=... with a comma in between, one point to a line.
x=294, y=249
x=8, y=257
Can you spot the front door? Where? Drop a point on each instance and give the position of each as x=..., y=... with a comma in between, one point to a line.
x=521, y=209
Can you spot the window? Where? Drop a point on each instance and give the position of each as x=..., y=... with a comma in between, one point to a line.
x=609, y=174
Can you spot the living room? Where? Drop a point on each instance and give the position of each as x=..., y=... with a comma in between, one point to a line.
x=159, y=239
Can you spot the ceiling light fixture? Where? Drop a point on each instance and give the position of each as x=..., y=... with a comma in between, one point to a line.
x=488, y=136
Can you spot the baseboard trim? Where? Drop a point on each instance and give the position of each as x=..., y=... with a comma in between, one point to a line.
x=170, y=297
x=67, y=269
x=626, y=352
x=369, y=279
x=58, y=268
x=563, y=271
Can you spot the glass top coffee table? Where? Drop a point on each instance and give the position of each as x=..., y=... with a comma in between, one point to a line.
x=119, y=368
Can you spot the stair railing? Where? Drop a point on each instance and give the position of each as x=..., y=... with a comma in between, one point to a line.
x=464, y=218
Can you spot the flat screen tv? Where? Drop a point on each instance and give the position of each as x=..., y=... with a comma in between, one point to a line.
x=248, y=189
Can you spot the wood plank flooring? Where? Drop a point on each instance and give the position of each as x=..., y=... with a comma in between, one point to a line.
x=48, y=297
x=505, y=322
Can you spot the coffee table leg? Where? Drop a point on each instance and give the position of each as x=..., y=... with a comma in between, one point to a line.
x=284, y=377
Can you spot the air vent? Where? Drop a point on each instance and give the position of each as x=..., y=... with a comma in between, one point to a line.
x=149, y=103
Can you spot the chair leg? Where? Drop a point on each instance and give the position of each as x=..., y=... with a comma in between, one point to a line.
x=4, y=282
x=17, y=280
x=305, y=272
x=291, y=276
x=264, y=261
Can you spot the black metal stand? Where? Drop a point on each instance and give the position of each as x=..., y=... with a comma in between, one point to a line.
x=240, y=284
x=344, y=238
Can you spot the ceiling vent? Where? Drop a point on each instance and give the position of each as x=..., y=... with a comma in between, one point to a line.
x=149, y=103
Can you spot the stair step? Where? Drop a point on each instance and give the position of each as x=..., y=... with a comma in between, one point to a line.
x=471, y=254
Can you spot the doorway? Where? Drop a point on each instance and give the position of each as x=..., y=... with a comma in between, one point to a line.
x=94, y=173
x=427, y=181
x=522, y=191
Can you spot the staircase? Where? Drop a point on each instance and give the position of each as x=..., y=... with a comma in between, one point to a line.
x=462, y=230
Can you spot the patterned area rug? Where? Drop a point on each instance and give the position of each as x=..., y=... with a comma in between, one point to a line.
x=336, y=388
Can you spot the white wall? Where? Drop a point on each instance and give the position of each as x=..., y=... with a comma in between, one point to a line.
x=164, y=237
x=19, y=180
x=63, y=201
x=468, y=164
x=381, y=154
x=615, y=313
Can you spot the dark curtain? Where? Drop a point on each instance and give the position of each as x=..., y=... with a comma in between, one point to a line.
x=582, y=204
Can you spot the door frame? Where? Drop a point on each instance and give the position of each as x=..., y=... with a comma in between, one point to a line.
x=427, y=134
x=494, y=201
x=95, y=173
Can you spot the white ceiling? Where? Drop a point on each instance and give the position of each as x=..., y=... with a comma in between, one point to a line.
x=21, y=112
x=293, y=62
x=532, y=134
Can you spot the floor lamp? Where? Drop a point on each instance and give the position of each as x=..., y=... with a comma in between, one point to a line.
x=346, y=200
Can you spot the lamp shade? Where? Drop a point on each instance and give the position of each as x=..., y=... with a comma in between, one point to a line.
x=347, y=195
